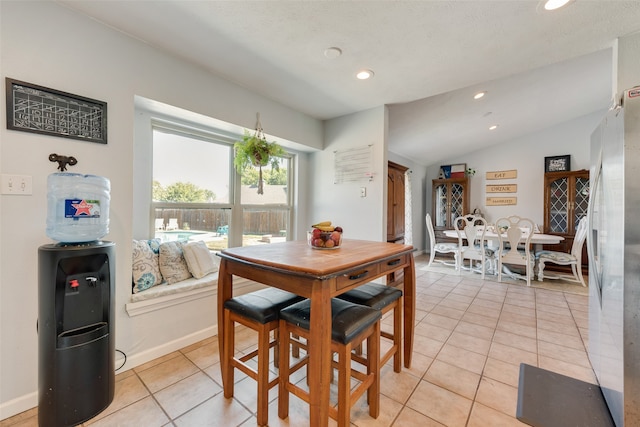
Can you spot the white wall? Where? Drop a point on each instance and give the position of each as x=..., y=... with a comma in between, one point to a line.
x=628, y=62
x=526, y=155
x=46, y=44
x=361, y=217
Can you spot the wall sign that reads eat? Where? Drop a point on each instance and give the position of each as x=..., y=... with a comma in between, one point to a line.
x=510, y=174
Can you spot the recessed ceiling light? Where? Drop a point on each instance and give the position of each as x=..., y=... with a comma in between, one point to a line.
x=479, y=95
x=493, y=127
x=332, y=52
x=364, y=74
x=555, y=4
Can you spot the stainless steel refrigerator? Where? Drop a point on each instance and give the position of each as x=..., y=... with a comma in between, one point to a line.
x=614, y=258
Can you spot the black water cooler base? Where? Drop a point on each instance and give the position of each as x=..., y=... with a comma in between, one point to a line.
x=76, y=346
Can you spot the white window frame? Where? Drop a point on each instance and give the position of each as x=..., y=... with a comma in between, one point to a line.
x=235, y=203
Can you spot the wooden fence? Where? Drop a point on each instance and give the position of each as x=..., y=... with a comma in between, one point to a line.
x=255, y=222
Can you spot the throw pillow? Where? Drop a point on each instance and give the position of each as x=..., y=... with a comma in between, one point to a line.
x=146, y=272
x=154, y=244
x=172, y=264
x=199, y=259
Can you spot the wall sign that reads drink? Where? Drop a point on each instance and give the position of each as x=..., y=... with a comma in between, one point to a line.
x=502, y=188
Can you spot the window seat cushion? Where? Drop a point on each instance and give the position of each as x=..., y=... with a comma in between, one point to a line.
x=185, y=285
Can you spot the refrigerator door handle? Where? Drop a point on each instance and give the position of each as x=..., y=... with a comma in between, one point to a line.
x=593, y=268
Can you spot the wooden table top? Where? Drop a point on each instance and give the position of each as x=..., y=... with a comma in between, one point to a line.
x=298, y=257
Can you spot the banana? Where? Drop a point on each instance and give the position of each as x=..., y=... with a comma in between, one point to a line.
x=322, y=224
x=324, y=227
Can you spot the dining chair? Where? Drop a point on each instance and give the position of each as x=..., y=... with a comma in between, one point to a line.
x=573, y=258
x=514, y=244
x=472, y=228
x=442, y=248
x=259, y=311
x=351, y=324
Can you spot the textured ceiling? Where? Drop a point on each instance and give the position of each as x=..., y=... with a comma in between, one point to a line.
x=539, y=68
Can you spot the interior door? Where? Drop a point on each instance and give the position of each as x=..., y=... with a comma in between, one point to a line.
x=395, y=203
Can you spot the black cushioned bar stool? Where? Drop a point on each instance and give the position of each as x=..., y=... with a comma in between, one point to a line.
x=383, y=298
x=351, y=324
x=259, y=311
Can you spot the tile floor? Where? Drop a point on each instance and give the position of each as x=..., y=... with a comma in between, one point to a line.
x=471, y=336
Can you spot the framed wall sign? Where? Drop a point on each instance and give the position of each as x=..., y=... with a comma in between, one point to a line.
x=37, y=109
x=557, y=163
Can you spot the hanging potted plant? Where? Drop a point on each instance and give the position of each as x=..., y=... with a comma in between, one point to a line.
x=254, y=150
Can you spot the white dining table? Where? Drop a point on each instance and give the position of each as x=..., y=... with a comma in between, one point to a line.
x=538, y=239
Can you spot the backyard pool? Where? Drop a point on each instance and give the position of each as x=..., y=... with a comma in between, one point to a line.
x=181, y=235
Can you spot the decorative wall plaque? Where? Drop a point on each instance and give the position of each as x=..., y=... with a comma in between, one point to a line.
x=501, y=201
x=502, y=188
x=510, y=174
x=557, y=163
x=37, y=109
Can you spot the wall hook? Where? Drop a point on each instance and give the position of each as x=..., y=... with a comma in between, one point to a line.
x=63, y=161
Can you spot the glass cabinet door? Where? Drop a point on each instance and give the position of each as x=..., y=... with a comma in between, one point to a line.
x=457, y=203
x=566, y=201
x=559, y=204
x=440, y=208
x=450, y=200
x=581, y=200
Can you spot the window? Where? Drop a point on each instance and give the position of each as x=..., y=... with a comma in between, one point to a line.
x=266, y=217
x=197, y=194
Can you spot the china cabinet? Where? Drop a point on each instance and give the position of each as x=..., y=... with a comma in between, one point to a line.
x=450, y=200
x=566, y=196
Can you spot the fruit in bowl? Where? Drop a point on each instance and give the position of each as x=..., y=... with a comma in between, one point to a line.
x=324, y=236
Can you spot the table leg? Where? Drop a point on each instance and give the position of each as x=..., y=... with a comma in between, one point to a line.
x=537, y=247
x=225, y=292
x=409, y=310
x=319, y=348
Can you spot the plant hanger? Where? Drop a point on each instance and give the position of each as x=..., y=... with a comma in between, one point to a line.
x=255, y=150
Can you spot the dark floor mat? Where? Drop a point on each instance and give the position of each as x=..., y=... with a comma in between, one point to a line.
x=548, y=399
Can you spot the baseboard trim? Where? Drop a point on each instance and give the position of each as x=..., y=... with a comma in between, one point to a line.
x=164, y=349
x=15, y=406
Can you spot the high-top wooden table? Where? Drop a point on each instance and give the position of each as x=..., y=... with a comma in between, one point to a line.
x=318, y=275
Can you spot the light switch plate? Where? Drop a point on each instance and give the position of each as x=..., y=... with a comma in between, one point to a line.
x=17, y=185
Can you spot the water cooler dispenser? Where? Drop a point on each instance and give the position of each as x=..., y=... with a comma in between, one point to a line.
x=76, y=332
